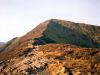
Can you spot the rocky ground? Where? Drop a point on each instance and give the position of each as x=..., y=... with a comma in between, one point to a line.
x=53, y=59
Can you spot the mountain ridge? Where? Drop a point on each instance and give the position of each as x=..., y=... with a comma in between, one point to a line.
x=43, y=26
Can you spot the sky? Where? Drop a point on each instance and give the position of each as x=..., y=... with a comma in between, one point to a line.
x=17, y=17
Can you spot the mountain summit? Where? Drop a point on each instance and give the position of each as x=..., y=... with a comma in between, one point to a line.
x=54, y=47
x=66, y=32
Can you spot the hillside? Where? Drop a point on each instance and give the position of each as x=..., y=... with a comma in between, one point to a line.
x=54, y=47
x=53, y=59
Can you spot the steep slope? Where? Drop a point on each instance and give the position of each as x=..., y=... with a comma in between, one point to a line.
x=59, y=31
x=55, y=47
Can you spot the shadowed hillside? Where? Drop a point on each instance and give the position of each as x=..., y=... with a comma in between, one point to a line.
x=59, y=31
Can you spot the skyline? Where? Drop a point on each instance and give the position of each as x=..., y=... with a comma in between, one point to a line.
x=17, y=17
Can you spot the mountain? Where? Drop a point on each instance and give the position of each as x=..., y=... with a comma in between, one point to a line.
x=1, y=44
x=60, y=31
x=54, y=47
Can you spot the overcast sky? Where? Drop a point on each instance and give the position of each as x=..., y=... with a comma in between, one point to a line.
x=18, y=17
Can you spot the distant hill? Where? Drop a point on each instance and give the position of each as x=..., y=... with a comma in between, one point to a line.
x=9, y=44
x=2, y=44
x=54, y=47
